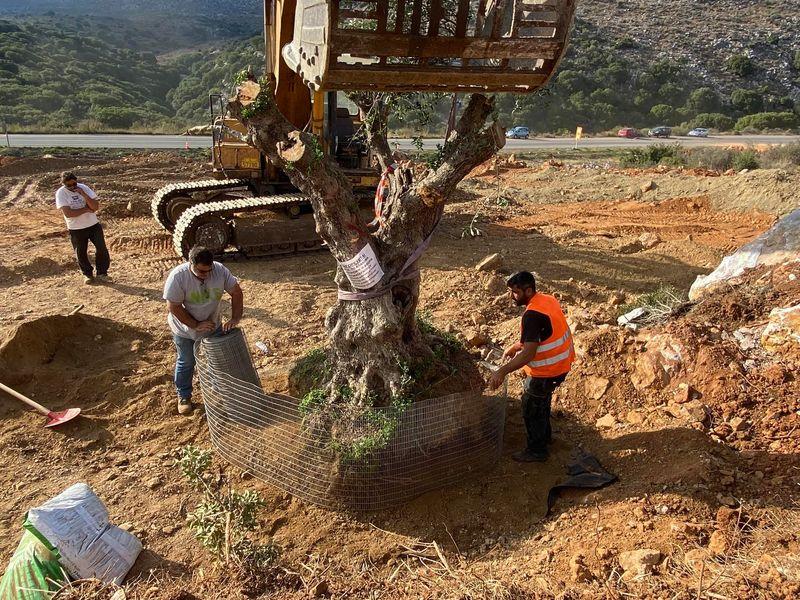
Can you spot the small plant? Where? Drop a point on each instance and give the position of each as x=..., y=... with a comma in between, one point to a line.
x=746, y=159
x=472, y=229
x=225, y=518
x=659, y=305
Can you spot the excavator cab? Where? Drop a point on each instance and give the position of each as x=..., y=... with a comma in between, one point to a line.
x=318, y=49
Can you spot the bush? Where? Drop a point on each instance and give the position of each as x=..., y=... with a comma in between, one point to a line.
x=711, y=157
x=768, y=120
x=746, y=159
x=669, y=154
x=704, y=100
x=663, y=113
x=747, y=101
x=741, y=65
x=782, y=156
x=716, y=121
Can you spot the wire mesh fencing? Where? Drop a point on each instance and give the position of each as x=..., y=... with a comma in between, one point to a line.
x=360, y=459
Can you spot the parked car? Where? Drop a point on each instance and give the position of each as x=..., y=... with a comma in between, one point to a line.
x=628, y=132
x=660, y=132
x=518, y=132
x=698, y=132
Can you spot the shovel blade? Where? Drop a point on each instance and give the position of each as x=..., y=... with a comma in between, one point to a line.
x=54, y=419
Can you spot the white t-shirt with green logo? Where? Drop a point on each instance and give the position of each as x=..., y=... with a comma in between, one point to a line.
x=200, y=297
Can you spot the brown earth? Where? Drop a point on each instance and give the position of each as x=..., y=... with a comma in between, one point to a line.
x=580, y=229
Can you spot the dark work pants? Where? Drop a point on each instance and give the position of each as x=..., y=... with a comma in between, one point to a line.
x=537, y=394
x=80, y=242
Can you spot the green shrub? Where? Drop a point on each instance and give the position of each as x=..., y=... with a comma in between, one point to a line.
x=746, y=159
x=747, y=101
x=741, y=65
x=768, y=120
x=704, y=100
x=663, y=113
x=716, y=121
x=654, y=154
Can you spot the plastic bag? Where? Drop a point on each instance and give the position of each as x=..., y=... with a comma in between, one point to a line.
x=34, y=571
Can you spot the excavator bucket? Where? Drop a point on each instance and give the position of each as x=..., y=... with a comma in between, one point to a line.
x=429, y=45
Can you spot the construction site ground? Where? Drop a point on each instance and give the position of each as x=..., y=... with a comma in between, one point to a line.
x=719, y=503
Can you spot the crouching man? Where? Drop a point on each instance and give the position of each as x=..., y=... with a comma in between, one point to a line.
x=193, y=292
x=545, y=352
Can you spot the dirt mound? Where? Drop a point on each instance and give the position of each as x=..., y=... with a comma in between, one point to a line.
x=62, y=345
x=706, y=369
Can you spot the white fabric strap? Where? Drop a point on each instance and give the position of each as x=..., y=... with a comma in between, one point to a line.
x=553, y=345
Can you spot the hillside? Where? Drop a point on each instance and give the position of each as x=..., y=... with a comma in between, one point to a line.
x=725, y=64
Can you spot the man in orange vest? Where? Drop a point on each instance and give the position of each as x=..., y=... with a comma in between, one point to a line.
x=545, y=353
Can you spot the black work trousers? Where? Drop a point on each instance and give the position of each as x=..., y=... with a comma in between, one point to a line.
x=80, y=242
x=537, y=395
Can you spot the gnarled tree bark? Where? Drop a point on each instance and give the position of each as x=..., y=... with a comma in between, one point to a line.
x=371, y=339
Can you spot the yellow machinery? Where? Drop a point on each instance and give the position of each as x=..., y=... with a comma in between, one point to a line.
x=316, y=48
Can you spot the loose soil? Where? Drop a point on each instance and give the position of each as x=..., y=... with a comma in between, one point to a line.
x=578, y=227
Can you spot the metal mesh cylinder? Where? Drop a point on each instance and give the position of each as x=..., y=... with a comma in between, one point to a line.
x=228, y=353
x=428, y=445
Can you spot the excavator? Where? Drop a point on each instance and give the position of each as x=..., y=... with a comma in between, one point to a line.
x=317, y=51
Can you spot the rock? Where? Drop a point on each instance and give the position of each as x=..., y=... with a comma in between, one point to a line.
x=683, y=393
x=648, y=373
x=595, y=387
x=778, y=245
x=478, y=319
x=636, y=563
x=781, y=336
x=649, y=186
x=127, y=526
x=493, y=262
x=649, y=240
x=153, y=483
x=696, y=412
x=544, y=557
x=616, y=298
x=718, y=543
x=738, y=424
x=629, y=247
x=696, y=557
x=321, y=589
x=728, y=501
x=495, y=285
x=606, y=422
x=634, y=417
x=476, y=339
x=136, y=345
x=578, y=570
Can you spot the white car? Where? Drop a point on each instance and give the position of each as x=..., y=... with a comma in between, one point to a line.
x=698, y=132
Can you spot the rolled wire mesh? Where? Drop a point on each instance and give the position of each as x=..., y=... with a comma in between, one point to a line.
x=432, y=443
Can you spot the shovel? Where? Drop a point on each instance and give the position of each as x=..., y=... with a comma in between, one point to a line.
x=53, y=418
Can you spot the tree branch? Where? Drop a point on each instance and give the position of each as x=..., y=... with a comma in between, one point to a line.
x=301, y=157
x=471, y=145
x=374, y=114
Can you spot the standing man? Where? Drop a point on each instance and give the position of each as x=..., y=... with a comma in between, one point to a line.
x=79, y=204
x=545, y=352
x=193, y=292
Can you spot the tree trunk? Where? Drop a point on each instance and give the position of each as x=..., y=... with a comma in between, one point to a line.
x=373, y=341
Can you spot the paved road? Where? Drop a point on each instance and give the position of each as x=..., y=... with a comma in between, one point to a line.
x=178, y=141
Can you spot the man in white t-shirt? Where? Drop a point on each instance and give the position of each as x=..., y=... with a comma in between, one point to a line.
x=193, y=292
x=79, y=204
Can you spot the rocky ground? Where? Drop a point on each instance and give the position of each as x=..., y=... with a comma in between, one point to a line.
x=697, y=415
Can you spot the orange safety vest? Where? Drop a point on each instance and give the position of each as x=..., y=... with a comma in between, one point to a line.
x=555, y=355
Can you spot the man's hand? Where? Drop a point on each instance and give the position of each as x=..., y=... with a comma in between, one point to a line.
x=496, y=379
x=512, y=351
x=206, y=327
x=230, y=325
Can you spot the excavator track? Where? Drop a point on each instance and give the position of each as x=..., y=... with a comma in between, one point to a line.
x=212, y=225
x=160, y=203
